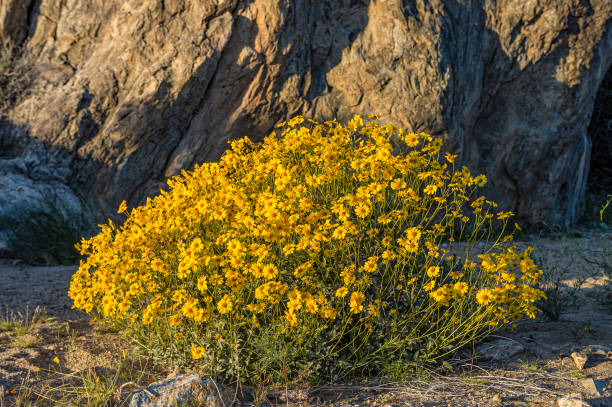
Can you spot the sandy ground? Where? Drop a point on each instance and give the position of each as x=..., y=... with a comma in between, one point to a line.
x=24, y=287
x=539, y=374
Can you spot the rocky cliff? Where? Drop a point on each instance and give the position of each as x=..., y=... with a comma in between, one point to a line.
x=122, y=94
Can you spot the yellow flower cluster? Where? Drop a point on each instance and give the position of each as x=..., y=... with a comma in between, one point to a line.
x=323, y=225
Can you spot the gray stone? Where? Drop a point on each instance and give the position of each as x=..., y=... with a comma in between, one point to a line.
x=580, y=359
x=598, y=350
x=594, y=387
x=13, y=166
x=571, y=401
x=178, y=390
x=500, y=350
x=24, y=201
x=131, y=92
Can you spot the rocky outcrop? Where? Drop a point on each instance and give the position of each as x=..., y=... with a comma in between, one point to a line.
x=127, y=93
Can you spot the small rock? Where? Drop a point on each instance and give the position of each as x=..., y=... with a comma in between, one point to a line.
x=502, y=349
x=178, y=390
x=599, y=349
x=495, y=400
x=572, y=402
x=594, y=387
x=579, y=359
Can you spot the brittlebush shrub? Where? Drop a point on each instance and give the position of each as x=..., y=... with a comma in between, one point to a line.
x=325, y=251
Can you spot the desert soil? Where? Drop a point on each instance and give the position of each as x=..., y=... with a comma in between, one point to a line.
x=538, y=374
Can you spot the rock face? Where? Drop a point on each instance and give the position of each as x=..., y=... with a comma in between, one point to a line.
x=124, y=94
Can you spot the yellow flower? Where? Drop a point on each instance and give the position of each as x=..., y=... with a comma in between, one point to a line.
x=484, y=296
x=269, y=271
x=56, y=360
x=433, y=271
x=480, y=180
x=388, y=255
x=356, y=302
x=398, y=183
x=225, y=304
x=196, y=245
x=341, y=292
x=202, y=284
x=430, y=189
x=371, y=264
x=289, y=249
x=189, y=308
x=294, y=295
x=373, y=310
x=258, y=233
x=234, y=246
x=122, y=207
x=197, y=351
x=413, y=233
x=372, y=232
x=355, y=122
x=450, y=157
x=460, y=288
x=311, y=305
x=440, y=295
x=291, y=318
x=387, y=241
x=329, y=313
x=505, y=215
x=362, y=210
x=174, y=320
x=411, y=139
x=384, y=220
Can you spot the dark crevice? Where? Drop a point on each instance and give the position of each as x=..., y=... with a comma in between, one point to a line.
x=600, y=132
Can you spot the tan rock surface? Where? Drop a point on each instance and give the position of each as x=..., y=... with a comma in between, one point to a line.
x=127, y=93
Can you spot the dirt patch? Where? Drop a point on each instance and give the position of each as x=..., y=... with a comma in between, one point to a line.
x=24, y=287
x=63, y=343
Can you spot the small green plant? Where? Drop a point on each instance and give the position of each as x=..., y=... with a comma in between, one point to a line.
x=397, y=370
x=577, y=374
x=529, y=365
x=319, y=253
x=21, y=326
x=21, y=323
x=604, y=216
x=559, y=297
x=90, y=387
x=584, y=329
x=26, y=340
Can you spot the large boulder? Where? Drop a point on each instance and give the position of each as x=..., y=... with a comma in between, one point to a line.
x=125, y=93
x=40, y=217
